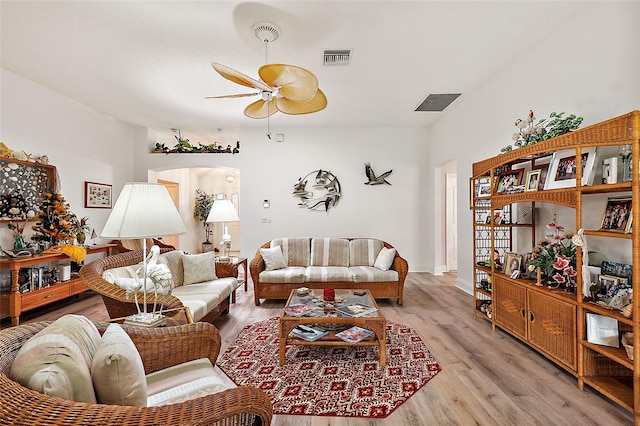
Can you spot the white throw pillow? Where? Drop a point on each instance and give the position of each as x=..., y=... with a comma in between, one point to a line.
x=117, y=370
x=273, y=258
x=199, y=268
x=385, y=258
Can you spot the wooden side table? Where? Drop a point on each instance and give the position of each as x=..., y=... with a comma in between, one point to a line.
x=240, y=261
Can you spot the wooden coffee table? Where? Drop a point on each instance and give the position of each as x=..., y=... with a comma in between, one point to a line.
x=375, y=322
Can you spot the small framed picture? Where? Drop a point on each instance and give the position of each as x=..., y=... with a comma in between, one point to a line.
x=512, y=262
x=608, y=285
x=97, y=195
x=483, y=189
x=509, y=181
x=563, y=168
x=617, y=215
x=532, y=181
x=544, y=171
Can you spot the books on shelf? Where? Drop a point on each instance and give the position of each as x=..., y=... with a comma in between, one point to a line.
x=354, y=334
x=298, y=310
x=310, y=334
x=356, y=310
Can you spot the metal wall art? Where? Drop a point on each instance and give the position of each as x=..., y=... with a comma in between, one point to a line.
x=325, y=190
x=373, y=179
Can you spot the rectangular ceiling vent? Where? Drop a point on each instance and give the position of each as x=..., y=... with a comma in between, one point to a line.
x=437, y=102
x=337, y=57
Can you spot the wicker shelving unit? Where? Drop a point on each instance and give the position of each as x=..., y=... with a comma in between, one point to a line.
x=553, y=322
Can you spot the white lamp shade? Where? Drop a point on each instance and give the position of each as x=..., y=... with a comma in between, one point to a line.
x=222, y=211
x=143, y=210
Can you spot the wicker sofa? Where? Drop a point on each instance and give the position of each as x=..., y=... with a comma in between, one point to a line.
x=343, y=263
x=159, y=348
x=201, y=307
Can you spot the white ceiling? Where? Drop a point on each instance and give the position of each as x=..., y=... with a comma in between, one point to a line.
x=148, y=62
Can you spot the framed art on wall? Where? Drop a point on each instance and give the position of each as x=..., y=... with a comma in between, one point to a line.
x=562, y=169
x=22, y=187
x=97, y=195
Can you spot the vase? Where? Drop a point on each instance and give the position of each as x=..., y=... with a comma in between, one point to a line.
x=18, y=242
x=81, y=238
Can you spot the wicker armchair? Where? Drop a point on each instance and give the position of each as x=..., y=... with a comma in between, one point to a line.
x=159, y=348
x=115, y=298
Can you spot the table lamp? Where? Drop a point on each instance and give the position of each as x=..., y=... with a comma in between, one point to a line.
x=223, y=211
x=143, y=210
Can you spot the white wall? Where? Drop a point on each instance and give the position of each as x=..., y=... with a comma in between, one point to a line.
x=83, y=144
x=589, y=66
x=269, y=171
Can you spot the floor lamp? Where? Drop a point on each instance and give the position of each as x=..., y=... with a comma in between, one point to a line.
x=143, y=210
x=223, y=211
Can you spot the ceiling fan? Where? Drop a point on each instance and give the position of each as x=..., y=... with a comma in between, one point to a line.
x=289, y=89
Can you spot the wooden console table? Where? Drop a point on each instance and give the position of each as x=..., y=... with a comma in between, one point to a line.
x=14, y=302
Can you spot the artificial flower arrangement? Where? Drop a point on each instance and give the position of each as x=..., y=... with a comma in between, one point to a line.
x=54, y=220
x=556, y=257
x=529, y=132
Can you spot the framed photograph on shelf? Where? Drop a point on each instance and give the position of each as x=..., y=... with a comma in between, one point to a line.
x=617, y=215
x=507, y=182
x=483, y=189
x=544, y=171
x=532, y=181
x=97, y=195
x=512, y=262
x=563, y=168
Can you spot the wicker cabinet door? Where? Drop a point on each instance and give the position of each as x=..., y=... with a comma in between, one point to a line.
x=552, y=328
x=510, y=301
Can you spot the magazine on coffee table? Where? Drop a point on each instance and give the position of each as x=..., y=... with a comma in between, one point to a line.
x=310, y=334
x=354, y=334
x=356, y=310
x=298, y=310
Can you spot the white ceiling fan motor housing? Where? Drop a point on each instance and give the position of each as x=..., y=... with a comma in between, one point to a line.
x=266, y=32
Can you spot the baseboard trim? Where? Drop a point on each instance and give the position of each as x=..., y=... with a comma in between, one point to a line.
x=465, y=286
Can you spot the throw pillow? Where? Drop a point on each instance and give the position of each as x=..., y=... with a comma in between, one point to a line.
x=57, y=360
x=199, y=267
x=273, y=258
x=117, y=370
x=385, y=258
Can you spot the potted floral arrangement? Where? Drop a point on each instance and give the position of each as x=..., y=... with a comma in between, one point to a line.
x=556, y=258
x=529, y=132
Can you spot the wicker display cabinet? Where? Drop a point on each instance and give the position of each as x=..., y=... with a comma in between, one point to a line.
x=552, y=321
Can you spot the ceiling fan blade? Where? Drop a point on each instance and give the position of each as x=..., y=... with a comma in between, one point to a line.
x=260, y=109
x=287, y=106
x=239, y=95
x=239, y=78
x=294, y=83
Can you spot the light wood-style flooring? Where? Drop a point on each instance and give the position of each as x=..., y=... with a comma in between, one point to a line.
x=487, y=378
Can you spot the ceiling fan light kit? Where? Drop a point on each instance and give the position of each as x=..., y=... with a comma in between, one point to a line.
x=289, y=89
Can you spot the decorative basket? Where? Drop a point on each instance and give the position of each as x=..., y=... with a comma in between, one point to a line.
x=627, y=342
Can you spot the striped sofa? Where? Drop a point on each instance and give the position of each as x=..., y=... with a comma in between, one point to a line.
x=343, y=263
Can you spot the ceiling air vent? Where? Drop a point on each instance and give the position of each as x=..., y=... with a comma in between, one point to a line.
x=337, y=57
x=437, y=102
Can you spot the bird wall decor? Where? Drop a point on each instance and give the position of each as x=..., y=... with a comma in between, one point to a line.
x=325, y=191
x=373, y=179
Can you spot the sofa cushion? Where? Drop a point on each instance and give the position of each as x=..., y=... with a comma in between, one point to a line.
x=329, y=252
x=202, y=298
x=363, y=251
x=184, y=382
x=273, y=258
x=327, y=274
x=199, y=267
x=370, y=274
x=294, y=250
x=290, y=274
x=117, y=370
x=173, y=259
x=385, y=259
x=57, y=360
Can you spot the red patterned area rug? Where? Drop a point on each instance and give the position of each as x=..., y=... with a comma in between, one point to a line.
x=330, y=380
